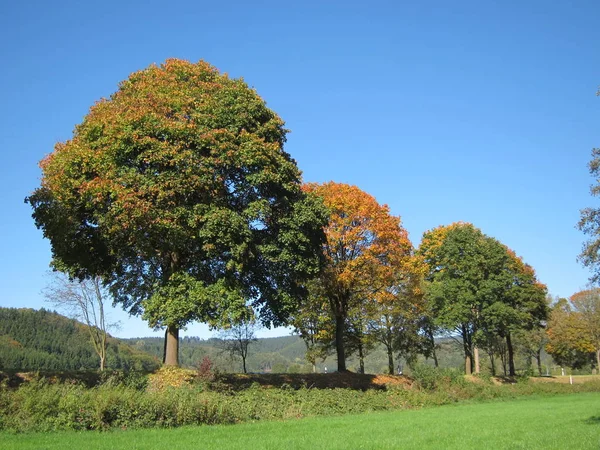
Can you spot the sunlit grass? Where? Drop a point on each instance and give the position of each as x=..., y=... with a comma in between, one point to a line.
x=565, y=422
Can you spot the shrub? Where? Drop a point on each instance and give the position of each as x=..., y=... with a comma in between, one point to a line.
x=205, y=370
x=429, y=377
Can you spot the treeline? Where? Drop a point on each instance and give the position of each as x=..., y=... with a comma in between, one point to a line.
x=377, y=289
x=32, y=340
x=188, y=209
x=280, y=354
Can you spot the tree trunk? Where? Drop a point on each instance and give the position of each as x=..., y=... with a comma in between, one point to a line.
x=172, y=347
x=165, y=346
x=598, y=360
x=468, y=365
x=339, y=343
x=244, y=364
x=390, y=359
x=511, y=358
x=102, y=358
x=492, y=364
x=361, y=358
x=435, y=360
x=476, y=355
x=468, y=351
x=314, y=368
x=538, y=358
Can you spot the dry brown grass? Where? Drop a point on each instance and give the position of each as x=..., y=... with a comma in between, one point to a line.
x=577, y=379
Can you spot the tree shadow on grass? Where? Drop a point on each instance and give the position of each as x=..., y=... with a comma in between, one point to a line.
x=346, y=380
x=594, y=420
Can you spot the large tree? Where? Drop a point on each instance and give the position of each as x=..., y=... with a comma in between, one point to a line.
x=459, y=262
x=365, y=250
x=477, y=287
x=519, y=302
x=178, y=193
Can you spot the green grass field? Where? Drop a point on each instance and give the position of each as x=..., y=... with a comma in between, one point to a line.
x=559, y=422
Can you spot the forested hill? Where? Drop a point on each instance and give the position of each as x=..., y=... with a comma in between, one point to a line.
x=279, y=354
x=32, y=340
x=44, y=340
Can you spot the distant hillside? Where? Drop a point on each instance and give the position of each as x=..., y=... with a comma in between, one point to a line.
x=43, y=340
x=285, y=354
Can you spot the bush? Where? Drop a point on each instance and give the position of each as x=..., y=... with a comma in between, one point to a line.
x=429, y=377
x=43, y=406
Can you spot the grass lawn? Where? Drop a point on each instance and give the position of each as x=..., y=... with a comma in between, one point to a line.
x=559, y=422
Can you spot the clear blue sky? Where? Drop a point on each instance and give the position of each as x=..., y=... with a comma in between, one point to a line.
x=477, y=111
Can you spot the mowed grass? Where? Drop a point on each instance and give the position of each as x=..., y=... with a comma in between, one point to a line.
x=564, y=421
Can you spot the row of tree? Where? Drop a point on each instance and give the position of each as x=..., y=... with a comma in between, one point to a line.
x=177, y=193
x=376, y=288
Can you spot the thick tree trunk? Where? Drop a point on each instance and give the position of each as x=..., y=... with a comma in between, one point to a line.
x=314, y=368
x=511, y=358
x=538, y=358
x=435, y=360
x=172, y=347
x=476, y=355
x=598, y=360
x=468, y=365
x=102, y=359
x=244, y=364
x=339, y=343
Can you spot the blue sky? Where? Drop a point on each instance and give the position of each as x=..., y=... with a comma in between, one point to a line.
x=480, y=111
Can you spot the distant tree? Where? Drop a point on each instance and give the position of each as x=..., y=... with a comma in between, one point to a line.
x=358, y=339
x=396, y=321
x=532, y=343
x=84, y=300
x=313, y=323
x=178, y=193
x=365, y=249
x=236, y=339
x=587, y=304
x=589, y=222
x=569, y=342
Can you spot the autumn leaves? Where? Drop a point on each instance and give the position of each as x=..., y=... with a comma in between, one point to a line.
x=177, y=192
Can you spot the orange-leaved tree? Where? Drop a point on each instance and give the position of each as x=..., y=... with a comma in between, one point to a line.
x=570, y=343
x=587, y=304
x=366, y=249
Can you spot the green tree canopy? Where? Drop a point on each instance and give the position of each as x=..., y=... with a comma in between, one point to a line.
x=178, y=192
x=476, y=284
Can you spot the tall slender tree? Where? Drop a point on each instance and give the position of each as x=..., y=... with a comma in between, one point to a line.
x=84, y=300
x=365, y=250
